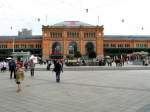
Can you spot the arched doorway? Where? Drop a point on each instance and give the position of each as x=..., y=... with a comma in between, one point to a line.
x=89, y=47
x=56, y=47
x=72, y=48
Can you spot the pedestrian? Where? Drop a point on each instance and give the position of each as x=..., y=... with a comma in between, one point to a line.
x=4, y=66
x=48, y=65
x=57, y=69
x=19, y=74
x=12, y=68
x=26, y=65
x=32, y=66
x=1, y=65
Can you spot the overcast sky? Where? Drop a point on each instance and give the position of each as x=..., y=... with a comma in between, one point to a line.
x=119, y=17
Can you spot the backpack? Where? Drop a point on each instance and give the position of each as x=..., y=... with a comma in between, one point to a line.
x=12, y=65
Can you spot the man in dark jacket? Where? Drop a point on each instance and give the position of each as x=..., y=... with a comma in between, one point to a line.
x=58, y=68
x=12, y=68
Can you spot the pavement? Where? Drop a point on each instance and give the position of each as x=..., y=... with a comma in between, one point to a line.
x=78, y=91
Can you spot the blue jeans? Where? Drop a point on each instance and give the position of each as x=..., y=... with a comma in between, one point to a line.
x=57, y=76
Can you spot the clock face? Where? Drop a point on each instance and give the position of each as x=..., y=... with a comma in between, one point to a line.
x=99, y=34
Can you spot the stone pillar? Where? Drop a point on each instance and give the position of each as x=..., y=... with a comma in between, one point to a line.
x=45, y=45
x=65, y=44
x=81, y=42
x=11, y=44
x=148, y=44
x=99, y=43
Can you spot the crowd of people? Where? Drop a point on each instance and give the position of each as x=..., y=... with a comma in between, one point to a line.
x=17, y=69
x=117, y=61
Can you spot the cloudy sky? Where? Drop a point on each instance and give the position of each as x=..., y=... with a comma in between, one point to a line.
x=120, y=17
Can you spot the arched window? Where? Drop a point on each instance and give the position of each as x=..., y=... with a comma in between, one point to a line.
x=72, y=48
x=56, y=47
x=89, y=47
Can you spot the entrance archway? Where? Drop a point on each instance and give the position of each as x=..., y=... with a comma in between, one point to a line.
x=89, y=47
x=56, y=47
x=72, y=48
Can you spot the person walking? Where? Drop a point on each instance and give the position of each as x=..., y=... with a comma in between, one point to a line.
x=4, y=66
x=19, y=74
x=57, y=69
x=12, y=68
x=48, y=65
x=32, y=66
x=26, y=65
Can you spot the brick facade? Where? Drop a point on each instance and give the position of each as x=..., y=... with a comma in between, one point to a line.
x=80, y=39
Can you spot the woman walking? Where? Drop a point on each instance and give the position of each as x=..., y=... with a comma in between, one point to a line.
x=19, y=74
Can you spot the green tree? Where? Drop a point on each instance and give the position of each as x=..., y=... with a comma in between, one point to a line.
x=77, y=54
x=70, y=57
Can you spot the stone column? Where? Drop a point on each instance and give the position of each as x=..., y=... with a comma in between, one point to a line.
x=65, y=44
x=81, y=42
x=45, y=45
x=99, y=43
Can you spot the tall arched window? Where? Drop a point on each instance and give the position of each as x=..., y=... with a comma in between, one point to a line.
x=89, y=47
x=56, y=47
x=72, y=48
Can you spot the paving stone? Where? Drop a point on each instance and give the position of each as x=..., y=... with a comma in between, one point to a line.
x=78, y=91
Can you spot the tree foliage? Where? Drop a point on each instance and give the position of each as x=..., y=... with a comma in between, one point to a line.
x=77, y=54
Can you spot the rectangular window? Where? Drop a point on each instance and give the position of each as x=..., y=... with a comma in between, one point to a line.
x=55, y=34
x=89, y=35
x=113, y=45
x=127, y=45
x=72, y=34
x=106, y=45
x=120, y=46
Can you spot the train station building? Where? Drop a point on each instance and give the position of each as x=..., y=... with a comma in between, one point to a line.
x=68, y=37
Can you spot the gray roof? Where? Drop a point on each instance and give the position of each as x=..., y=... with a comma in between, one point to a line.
x=126, y=37
x=21, y=37
x=106, y=37
x=71, y=24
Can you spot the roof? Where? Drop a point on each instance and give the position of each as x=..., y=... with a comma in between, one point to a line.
x=106, y=37
x=71, y=24
x=21, y=37
x=126, y=37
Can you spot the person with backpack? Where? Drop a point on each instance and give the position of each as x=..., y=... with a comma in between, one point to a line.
x=12, y=68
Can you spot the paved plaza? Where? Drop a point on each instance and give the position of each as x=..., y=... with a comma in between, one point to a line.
x=78, y=91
